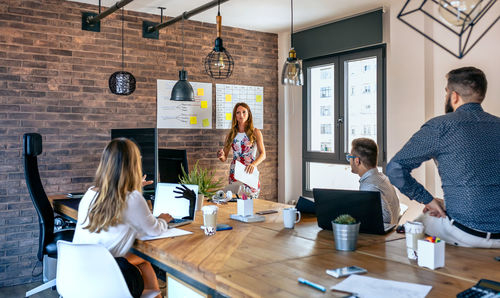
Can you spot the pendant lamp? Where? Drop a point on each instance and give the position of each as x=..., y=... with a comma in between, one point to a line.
x=292, y=70
x=122, y=82
x=182, y=91
x=219, y=63
x=458, y=25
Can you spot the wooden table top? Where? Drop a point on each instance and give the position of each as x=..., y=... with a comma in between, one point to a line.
x=265, y=259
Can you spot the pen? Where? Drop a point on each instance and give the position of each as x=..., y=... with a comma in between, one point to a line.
x=311, y=284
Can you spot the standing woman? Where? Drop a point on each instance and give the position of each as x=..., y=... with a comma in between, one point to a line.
x=114, y=213
x=245, y=140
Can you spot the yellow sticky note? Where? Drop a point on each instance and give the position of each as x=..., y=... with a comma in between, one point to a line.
x=204, y=104
x=229, y=116
x=206, y=123
x=228, y=97
x=201, y=91
x=258, y=98
x=193, y=120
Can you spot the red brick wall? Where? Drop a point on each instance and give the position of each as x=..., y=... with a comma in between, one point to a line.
x=54, y=81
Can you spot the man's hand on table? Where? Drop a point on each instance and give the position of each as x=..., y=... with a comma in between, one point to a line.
x=435, y=208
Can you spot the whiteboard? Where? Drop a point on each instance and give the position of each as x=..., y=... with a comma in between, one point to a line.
x=195, y=114
x=227, y=96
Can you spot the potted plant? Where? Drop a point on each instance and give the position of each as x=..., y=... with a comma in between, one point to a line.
x=207, y=184
x=345, y=231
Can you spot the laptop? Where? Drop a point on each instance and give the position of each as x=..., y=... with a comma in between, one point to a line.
x=178, y=208
x=364, y=206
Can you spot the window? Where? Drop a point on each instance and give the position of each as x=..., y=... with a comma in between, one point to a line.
x=325, y=92
x=348, y=103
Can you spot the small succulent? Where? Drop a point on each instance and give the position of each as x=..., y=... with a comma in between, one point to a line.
x=345, y=219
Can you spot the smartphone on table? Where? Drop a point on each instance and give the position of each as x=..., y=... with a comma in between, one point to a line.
x=345, y=271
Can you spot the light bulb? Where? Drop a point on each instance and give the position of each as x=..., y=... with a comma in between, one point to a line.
x=219, y=63
x=292, y=71
x=458, y=12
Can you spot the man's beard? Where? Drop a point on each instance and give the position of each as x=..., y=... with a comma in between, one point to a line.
x=447, y=106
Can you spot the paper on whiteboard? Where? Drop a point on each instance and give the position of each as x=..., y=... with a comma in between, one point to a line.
x=371, y=287
x=174, y=232
x=251, y=180
x=227, y=96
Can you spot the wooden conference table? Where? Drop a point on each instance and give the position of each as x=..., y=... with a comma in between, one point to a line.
x=264, y=259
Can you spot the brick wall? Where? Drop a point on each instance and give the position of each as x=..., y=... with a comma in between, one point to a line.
x=53, y=80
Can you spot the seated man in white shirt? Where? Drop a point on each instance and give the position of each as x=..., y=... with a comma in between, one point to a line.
x=363, y=160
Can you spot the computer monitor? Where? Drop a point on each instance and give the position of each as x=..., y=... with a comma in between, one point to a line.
x=147, y=141
x=170, y=164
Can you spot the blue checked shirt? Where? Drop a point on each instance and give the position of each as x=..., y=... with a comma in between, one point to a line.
x=465, y=145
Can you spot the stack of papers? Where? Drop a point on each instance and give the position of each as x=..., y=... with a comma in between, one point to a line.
x=168, y=233
x=364, y=286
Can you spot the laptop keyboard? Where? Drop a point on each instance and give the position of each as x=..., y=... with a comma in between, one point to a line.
x=177, y=220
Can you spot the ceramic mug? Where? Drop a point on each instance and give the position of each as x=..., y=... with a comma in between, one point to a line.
x=290, y=217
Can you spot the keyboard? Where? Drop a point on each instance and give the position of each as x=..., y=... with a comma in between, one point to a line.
x=179, y=222
x=484, y=289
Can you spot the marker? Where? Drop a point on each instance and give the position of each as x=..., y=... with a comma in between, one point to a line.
x=311, y=284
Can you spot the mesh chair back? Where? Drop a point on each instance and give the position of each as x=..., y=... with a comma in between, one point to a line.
x=33, y=148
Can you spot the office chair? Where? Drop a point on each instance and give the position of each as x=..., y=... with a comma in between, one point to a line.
x=47, y=247
x=89, y=270
x=170, y=164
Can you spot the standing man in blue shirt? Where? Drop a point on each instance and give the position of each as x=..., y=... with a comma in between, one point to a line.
x=465, y=145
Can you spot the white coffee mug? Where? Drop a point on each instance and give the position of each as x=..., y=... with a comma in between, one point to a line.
x=290, y=217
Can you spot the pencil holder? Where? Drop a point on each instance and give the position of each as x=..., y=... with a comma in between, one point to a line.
x=245, y=207
x=431, y=254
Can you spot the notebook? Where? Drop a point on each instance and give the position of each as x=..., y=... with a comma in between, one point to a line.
x=178, y=208
x=364, y=206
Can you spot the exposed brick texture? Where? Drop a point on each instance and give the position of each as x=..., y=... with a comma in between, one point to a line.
x=54, y=81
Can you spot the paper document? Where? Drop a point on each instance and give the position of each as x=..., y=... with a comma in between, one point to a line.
x=251, y=180
x=371, y=287
x=168, y=233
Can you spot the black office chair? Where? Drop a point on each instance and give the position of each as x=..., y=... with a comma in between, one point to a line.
x=170, y=164
x=47, y=242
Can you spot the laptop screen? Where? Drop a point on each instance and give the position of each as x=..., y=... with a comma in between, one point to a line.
x=166, y=201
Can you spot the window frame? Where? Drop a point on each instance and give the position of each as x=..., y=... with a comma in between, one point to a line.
x=340, y=104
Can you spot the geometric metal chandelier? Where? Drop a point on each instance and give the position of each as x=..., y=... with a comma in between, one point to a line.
x=460, y=23
x=219, y=63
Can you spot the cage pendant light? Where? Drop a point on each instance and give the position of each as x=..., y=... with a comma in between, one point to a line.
x=182, y=91
x=122, y=82
x=219, y=63
x=292, y=69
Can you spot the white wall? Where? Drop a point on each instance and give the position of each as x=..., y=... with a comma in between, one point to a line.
x=416, y=71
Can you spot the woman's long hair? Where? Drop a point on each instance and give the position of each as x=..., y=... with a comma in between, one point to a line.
x=119, y=173
x=249, y=129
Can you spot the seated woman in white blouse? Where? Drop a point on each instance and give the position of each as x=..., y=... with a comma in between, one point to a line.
x=114, y=213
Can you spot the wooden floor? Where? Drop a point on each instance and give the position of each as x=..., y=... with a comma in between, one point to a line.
x=20, y=290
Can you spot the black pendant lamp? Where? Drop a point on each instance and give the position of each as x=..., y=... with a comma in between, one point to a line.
x=122, y=82
x=219, y=63
x=292, y=69
x=182, y=91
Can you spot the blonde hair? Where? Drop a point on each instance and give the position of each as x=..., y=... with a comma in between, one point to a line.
x=119, y=172
x=249, y=129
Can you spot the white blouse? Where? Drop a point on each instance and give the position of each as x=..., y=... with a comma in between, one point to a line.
x=137, y=221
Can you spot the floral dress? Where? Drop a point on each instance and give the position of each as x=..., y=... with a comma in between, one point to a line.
x=244, y=152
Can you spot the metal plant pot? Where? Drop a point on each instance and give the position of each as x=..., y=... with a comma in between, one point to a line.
x=345, y=236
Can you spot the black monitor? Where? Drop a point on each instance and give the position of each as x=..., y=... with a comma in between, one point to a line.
x=170, y=164
x=147, y=141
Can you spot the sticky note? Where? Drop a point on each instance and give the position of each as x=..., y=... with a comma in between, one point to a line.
x=229, y=116
x=201, y=91
x=258, y=98
x=228, y=97
x=206, y=123
x=193, y=120
x=204, y=104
